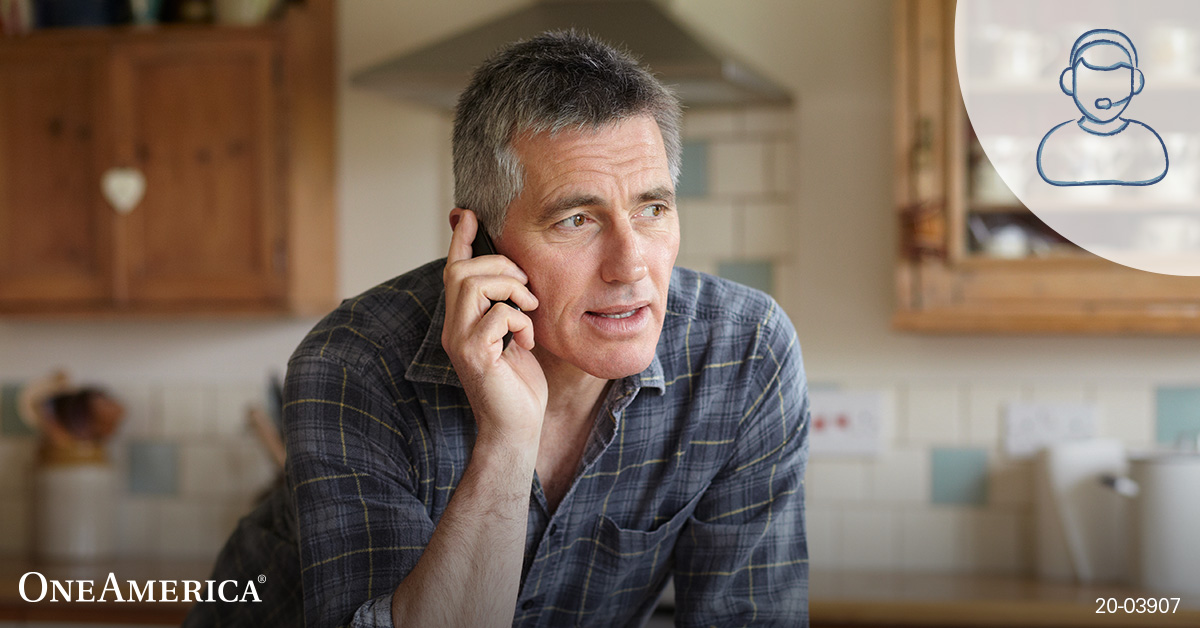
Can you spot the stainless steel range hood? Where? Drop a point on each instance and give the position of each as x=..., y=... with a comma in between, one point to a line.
x=700, y=75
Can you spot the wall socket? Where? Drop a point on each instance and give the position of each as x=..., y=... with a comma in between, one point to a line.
x=846, y=422
x=1028, y=427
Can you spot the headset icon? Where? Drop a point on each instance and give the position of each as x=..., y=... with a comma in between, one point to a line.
x=1102, y=148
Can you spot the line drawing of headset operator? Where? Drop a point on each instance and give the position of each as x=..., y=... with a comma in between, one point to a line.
x=1102, y=148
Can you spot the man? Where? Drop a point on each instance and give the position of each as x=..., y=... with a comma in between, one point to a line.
x=643, y=421
x=1102, y=148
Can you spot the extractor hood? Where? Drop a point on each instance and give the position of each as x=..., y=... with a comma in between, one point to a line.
x=699, y=73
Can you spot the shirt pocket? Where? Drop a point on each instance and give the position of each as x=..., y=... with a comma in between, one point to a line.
x=634, y=563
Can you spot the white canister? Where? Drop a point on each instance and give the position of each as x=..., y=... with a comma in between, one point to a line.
x=75, y=512
x=1167, y=523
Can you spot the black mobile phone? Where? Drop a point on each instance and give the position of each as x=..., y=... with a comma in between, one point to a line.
x=483, y=245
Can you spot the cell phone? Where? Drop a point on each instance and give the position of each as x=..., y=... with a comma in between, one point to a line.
x=483, y=245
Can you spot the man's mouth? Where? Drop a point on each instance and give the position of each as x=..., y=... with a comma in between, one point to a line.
x=1104, y=103
x=618, y=312
x=625, y=320
x=621, y=315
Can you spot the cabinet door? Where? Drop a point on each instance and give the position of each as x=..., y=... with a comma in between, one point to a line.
x=198, y=119
x=55, y=229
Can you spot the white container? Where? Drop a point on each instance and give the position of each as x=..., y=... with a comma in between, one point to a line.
x=1082, y=527
x=75, y=512
x=1167, y=523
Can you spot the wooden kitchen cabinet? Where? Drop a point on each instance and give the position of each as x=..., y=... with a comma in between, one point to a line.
x=944, y=282
x=55, y=235
x=231, y=129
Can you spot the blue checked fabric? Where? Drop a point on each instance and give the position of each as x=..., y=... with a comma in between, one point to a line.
x=695, y=467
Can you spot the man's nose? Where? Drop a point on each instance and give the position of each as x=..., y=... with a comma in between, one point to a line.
x=623, y=260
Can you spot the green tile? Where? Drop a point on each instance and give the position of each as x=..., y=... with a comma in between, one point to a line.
x=959, y=476
x=153, y=468
x=1178, y=412
x=10, y=418
x=693, y=173
x=756, y=274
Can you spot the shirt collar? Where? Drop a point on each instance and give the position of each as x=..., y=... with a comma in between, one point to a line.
x=432, y=366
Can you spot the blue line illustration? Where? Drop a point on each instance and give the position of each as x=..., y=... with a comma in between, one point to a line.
x=1102, y=148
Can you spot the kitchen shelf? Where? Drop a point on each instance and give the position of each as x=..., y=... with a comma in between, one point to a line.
x=944, y=283
x=1048, y=85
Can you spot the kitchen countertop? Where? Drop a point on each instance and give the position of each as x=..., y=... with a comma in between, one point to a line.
x=836, y=598
x=891, y=599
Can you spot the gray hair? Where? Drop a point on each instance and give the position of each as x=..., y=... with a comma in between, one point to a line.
x=557, y=80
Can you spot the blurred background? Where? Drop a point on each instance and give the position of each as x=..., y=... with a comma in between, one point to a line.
x=181, y=200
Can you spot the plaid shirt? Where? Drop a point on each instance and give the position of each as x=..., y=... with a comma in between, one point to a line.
x=694, y=467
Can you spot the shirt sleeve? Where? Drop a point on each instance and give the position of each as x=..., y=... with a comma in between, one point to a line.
x=361, y=526
x=742, y=557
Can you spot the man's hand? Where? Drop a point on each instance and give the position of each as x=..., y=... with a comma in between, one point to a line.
x=506, y=387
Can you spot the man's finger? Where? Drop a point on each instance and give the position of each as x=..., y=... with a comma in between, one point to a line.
x=500, y=320
x=497, y=288
x=464, y=235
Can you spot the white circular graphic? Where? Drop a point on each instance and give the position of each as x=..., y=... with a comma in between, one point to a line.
x=1089, y=113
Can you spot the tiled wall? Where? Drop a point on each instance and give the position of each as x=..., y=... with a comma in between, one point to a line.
x=943, y=496
x=187, y=463
x=736, y=192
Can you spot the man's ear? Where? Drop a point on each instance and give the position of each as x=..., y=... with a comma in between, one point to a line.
x=1066, y=81
x=1139, y=81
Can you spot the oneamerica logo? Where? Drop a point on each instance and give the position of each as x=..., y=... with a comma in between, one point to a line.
x=149, y=591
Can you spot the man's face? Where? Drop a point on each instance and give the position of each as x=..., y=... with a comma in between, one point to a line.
x=596, y=230
x=1104, y=83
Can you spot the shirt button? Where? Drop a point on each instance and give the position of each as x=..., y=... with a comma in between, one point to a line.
x=553, y=529
x=527, y=605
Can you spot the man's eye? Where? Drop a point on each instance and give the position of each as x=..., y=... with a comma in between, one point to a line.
x=574, y=221
x=653, y=210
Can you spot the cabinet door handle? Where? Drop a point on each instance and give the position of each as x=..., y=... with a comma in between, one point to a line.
x=123, y=188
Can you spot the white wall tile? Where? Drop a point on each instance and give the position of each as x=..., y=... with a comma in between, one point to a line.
x=964, y=540
x=835, y=481
x=933, y=539
x=781, y=169
x=256, y=469
x=1127, y=412
x=139, y=525
x=233, y=400
x=738, y=168
x=933, y=414
x=708, y=229
x=187, y=410
x=698, y=263
x=137, y=397
x=768, y=229
x=986, y=403
x=1058, y=392
x=869, y=539
x=823, y=531
x=901, y=477
x=769, y=120
x=209, y=468
x=713, y=123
